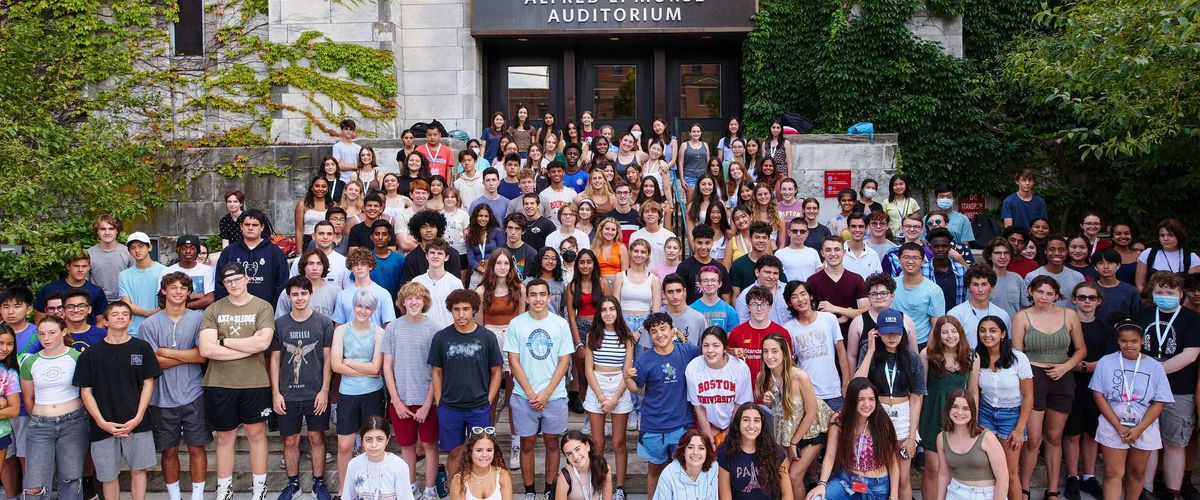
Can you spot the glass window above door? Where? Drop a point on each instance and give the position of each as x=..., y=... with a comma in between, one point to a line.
x=615, y=95
x=700, y=91
x=528, y=86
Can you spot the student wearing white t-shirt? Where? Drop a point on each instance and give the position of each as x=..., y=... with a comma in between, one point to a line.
x=1006, y=393
x=204, y=280
x=324, y=237
x=716, y=383
x=567, y=216
x=799, y=261
x=980, y=279
x=346, y=151
x=653, y=232
x=817, y=343
x=439, y=282
x=1171, y=255
x=859, y=258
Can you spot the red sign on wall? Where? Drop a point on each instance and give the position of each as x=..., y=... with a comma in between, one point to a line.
x=836, y=180
x=971, y=205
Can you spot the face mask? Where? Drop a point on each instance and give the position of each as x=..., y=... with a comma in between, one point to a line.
x=1166, y=302
x=945, y=203
x=476, y=150
x=637, y=134
x=569, y=256
x=868, y=193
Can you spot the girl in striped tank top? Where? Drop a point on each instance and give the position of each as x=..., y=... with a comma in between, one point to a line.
x=606, y=356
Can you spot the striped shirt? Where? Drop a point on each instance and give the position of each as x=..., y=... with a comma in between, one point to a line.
x=611, y=352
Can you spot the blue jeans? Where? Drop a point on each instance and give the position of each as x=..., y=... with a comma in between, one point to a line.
x=1001, y=421
x=839, y=487
x=56, y=444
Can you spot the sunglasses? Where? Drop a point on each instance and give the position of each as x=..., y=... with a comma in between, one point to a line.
x=483, y=430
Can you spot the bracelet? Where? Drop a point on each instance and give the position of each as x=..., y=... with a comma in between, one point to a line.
x=579, y=346
x=821, y=483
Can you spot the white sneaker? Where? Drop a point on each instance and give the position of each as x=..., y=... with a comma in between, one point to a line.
x=587, y=426
x=632, y=425
x=514, y=462
x=259, y=493
x=224, y=493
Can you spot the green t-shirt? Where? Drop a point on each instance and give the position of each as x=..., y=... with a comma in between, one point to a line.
x=234, y=321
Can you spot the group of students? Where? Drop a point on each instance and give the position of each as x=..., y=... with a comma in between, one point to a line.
x=803, y=358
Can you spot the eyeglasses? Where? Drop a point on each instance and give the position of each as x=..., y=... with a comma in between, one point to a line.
x=75, y=307
x=911, y=257
x=878, y=223
x=483, y=430
x=912, y=226
x=758, y=305
x=234, y=279
x=54, y=308
x=799, y=231
x=1087, y=298
x=879, y=295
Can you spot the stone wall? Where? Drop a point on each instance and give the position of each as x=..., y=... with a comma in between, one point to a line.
x=864, y=157
x=942, y=30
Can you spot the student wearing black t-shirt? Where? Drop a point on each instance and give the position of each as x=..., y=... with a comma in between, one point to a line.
x=752, y=464
x=1080, y=430
x=116, y=381
x=1173, y=338
x=689, y=269
x=537, y=227
x=462, y=393
x=624, y=212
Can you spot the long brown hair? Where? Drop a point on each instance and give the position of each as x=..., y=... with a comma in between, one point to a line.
x=490, y=280
x=763, y=384
x=936, y=350
x=768, y=456
x=464, y=462
x=878, y=424
x=973, y=427
x=595, y=336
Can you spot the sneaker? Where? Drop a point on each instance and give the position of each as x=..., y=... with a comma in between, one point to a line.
x=258, y=493
x=632, y=425
x=89, y=488
x=330, y=458
x=282, y=464
x=290, y=490
x=1092, y=487
x=1071, y=488
x=1189, y=491
x=587, y=426
x=224, y=493
x=514, y=463
x=619, y=493
x=442, y=490
x=532, y=496
x=1146, y=495
x=320, y=491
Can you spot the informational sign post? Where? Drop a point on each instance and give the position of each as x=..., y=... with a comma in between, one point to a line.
x=971, y=205
x=835, y=181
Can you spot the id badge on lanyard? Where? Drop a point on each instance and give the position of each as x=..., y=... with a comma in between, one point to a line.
x=1128, y=418
x=858, y=485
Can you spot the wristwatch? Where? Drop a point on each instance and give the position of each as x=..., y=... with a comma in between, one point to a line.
x=1083, y=365
x=221, y=342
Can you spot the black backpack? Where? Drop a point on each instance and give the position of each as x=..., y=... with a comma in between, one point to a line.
x=985, y=228
x=796, y=121
x=418, y=129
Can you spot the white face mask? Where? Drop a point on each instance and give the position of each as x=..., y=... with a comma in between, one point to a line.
x=637, y=134
x=868, y=193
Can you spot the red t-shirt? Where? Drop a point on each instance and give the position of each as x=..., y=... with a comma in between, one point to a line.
x=750, y=340
x=440, y=158
x=1023, y=267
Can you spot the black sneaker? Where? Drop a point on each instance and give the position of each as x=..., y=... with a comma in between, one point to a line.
x=574, y=404
x=89, y=488
x=1146, y=495
x=1189, y=491
x=1092, y=487
x=1071, y=489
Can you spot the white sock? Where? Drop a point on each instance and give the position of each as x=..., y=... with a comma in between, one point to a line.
x=198, y=491
x=1088, y=476
x=516, y=442
x=260, y=481
x=224, y=482
x=173, y=490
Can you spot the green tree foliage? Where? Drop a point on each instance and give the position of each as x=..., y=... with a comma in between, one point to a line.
x=1122, y=74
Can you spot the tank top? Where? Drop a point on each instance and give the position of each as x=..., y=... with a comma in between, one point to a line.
x=359, y=346
x=495, y=492
x=611, y=353
x=718, y=248
x=501, y=311
x=694, y=160
x=577, y=490
x=1050, y=347
x=735, y=246
x=311, y=218
x=609, y=260
x=588, y=311
x=620, y=168
x=635, y=296
x=970, y=466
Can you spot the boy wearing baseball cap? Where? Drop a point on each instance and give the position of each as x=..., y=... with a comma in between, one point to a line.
x=204, y=277
x=139, y=284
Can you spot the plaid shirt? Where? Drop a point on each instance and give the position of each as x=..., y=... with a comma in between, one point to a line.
x=960, y=288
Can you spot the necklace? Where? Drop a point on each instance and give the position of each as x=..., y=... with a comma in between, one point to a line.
x=481, y=478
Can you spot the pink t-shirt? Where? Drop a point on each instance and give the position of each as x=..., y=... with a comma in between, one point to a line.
x=789, y=211
x=440, y=159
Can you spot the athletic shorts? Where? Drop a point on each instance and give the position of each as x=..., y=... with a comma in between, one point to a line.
x=408, y=430
x=1057, y=395
x=136, y=449
x=657, y=448
x=453, y=424
x=226, y=409
x=182, y=422
x=302, y=414
x=552, y=419
x=353, y=410
x=1081, y=420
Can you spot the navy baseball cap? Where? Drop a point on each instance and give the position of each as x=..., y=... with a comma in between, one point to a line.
x=890, y=322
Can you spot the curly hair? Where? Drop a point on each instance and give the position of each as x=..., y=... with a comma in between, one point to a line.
x=464, y=461
x=427, y=217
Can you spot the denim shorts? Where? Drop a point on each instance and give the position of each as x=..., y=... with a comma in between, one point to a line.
x=56, y=444
x=1001, y=421
x=840, y=487
x=959, y=491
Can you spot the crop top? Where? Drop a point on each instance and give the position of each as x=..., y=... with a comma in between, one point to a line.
x=611, y=352
x=588, y=310
x=1053, y=347
x=501, y=311
x=970, y=466
x=51, y=377
x=864, y=449
x=636, y=296
x=608, y=258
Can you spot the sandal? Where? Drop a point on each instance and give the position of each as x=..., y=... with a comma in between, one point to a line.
x=1025, y=493
x=1051, y=494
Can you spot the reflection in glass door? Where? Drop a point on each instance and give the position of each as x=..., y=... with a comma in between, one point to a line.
x=528, y=86
x=616, y=91
x=533, y=82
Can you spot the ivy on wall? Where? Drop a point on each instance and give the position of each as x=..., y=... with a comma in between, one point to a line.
x=839, y=63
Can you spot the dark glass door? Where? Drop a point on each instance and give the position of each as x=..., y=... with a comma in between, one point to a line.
x=525, y=81
x=616, y=91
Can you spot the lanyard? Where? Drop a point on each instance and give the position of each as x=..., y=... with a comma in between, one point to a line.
x=889, y=373
x=1161, y=332
x=587, y=495
x=1126, y=380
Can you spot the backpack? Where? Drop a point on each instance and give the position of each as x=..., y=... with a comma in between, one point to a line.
x=418, y=129
x=985, y=228
x=1184, y=253
x=863, y=128
x=797, y=121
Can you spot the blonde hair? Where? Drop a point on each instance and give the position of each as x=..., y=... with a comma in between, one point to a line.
x=414, y=289
x=600, y=229
x=590, y=193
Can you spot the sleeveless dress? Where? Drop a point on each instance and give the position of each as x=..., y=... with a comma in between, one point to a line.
x=934, y=403
x=786, y=428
